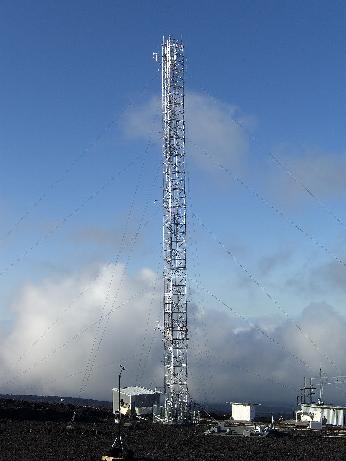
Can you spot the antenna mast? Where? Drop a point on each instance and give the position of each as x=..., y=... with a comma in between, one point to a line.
x=174, y=233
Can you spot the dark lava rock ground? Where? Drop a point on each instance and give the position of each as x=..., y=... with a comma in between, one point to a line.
x=34, y=431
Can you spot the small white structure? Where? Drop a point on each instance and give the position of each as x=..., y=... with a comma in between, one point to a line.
x=243, y=411
x=321, y=413
x=135, y=399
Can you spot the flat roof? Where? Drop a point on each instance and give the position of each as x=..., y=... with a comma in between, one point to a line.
x=135, y=390
x=319, y=405
x=245, y=404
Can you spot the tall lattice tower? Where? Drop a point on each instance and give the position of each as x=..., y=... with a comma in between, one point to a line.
x=174, y=233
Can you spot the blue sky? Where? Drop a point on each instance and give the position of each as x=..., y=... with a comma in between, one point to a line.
x=270, y=75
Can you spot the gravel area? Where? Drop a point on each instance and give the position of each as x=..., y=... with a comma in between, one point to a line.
x=40, y=431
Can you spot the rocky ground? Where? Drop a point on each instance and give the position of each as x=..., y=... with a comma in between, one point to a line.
x=33, y=431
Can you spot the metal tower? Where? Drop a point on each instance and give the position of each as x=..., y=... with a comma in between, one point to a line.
x=174, y=233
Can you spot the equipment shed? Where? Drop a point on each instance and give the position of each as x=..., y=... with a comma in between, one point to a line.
x=243, y=411
x=135, y=399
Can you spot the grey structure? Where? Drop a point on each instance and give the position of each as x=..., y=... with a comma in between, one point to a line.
x=174, y=233
x=135, y=400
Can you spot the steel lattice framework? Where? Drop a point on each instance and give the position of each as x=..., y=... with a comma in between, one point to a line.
x=174, y=233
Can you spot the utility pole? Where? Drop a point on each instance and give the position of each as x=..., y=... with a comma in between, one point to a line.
x=321, y=386
x=117, y=446
x=307, y=391
x=174, y=234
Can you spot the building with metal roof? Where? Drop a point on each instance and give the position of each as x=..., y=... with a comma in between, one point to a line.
x=325, y=414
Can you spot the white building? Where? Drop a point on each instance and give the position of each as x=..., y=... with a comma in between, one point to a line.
x=135, y=399
x=243, y=411
x=323, y=414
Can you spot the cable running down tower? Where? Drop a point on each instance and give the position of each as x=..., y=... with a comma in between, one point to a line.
x=174, y=234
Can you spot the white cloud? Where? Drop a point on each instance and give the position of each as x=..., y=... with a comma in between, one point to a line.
x=39, y=306
x=212, y=126
x=216, y=128
x=228, y=359
x=144, y=121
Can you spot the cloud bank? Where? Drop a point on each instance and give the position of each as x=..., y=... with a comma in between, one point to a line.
x=228, y=359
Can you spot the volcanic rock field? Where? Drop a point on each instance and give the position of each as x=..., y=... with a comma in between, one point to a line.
x=37, y=431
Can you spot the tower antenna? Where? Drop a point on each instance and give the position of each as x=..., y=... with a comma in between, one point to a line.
x=174, y=234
